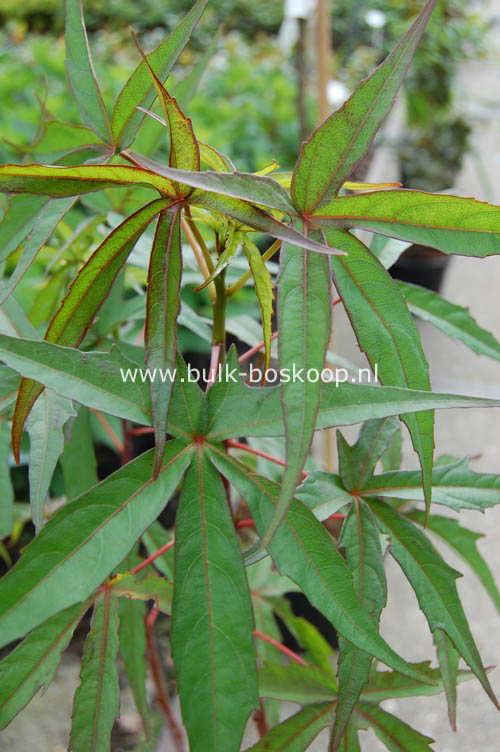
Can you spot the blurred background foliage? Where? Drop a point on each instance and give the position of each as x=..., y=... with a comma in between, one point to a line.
x=247, y=103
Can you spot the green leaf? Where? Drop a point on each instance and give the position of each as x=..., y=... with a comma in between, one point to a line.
x=162, y=309
x=357, y=463
x=60, y=182
x=393, y=456
x=361, y=540
x=341, y=404
x=18, y=221
x=150, y=588
x=344, y=138
x=451, y=224
x=456, y=486
x=304, y=320
x=85, y=296
x=350, y=741
x=385, y=685
x=132, y=636
x=93, y=379
x=59, y=138
x=47, y=220
x=32, y=664
x=297, y=732
x=434, y=584
x=296, y=683
x=255, y=189
x=448, y=664
x=323, y=493
x=394, y=733
x=45, y=427
x=184, y=150
x=387, y=335
x=452, y=319
x=84, y=541
x=464, y=542
x=232, y=242
x=97, y=699
x=6, y=489
x=78, y=460
x=303, y=551
x=9, y=385
x=264, y=290
x=81, y=73
x=138, y=90
x=258, y=219
x=212, y=623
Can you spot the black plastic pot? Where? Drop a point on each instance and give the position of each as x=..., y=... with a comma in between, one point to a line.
x=421, y=265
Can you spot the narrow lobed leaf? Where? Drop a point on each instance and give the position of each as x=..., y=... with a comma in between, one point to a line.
x=81, y=73
x=451, y=224
x=97, y=699
x=334, y=149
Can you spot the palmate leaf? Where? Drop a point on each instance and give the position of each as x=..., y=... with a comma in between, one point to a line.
x=387, y=335
x=350, y=741
x=434, y=584
x=297, y=732
x=184, y=149
x=45, y=427
x=451, y=224
x=85, y=296
x=452, y=319
x=81, y=73
x=162, y=309
x=256, y=218
x=455, y=485
x=139, y=90
x=464, y=542
x=396, y=735
x=59, y=139
x=97, y=699
x=85, y=540
x=212, y=624
x=302, y=550
x=60, y=182
x=304, y=320
x=340, y=405
x=335, y=148
x=155, y=538
x=357, y=463
x=264, y=290
x=33, y=663
x=361, y=540
x=448, y=659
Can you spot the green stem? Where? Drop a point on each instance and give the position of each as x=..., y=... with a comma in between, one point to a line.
x=220, y=302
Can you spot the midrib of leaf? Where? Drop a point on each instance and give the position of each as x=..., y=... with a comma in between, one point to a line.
x=328, y=709
x=100, y=526
x=385, y=731
x=209, y=597
x=102, y=661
